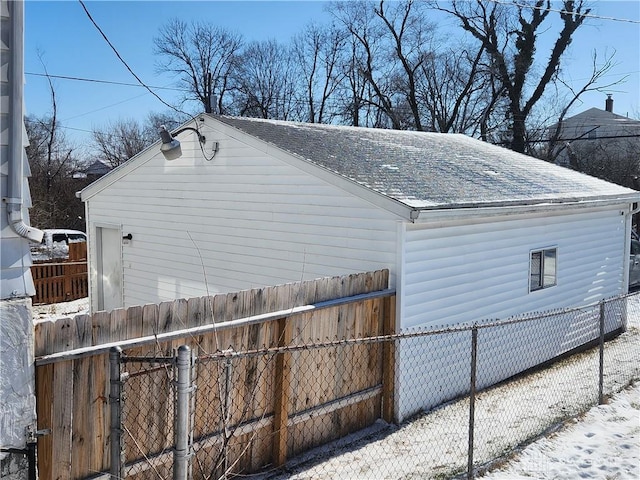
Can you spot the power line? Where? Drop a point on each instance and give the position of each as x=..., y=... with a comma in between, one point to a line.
x=587, y=15
x=138, y=78
x=122, y=59
x=109, y=82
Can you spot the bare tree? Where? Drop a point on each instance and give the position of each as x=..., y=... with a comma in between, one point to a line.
x=409, y=32
x=52, y=163
x=318, y=52
x=52, y=185
x=555, y=145
x=509, y=34
x=351, y=94
x=455, y=87
x=616, y=160
x=265, y=84
x=203, y=56
x=170, y=119
x=371, y=62
x=120, y=140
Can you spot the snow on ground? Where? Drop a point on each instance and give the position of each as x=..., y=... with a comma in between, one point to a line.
x=54, y=311
x=603, y=444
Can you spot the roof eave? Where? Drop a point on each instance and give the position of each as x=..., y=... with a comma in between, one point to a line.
x=496, y=209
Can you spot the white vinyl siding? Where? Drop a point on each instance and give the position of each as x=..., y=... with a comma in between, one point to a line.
x=475, y=273
x=472, y=272
x=243, y=220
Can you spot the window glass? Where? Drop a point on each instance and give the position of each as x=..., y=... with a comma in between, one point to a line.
x=536, y=271
x=543, y=269
x=549, y=268
x=59, y=237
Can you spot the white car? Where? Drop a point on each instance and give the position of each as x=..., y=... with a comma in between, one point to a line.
x=55, y=243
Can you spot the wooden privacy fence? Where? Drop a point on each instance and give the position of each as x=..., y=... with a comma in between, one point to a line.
x=72, y=367
x=61, y=280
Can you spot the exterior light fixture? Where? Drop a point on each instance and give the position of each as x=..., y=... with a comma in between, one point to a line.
x=170, y=147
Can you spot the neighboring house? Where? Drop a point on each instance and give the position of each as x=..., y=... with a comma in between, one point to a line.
x=94, y=171
x=600, y=143
x=468, y=230
x=17, y=374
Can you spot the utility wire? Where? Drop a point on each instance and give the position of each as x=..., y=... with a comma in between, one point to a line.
x=587, y=15
x=109, y=82
x=139, y=80
x=123, y=61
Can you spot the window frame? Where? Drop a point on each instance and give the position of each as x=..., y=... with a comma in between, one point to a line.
x=543, y=273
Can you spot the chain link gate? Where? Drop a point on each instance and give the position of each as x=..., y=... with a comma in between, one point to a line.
x=151, y=423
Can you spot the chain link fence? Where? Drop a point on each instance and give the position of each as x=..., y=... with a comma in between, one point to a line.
x=304, y=408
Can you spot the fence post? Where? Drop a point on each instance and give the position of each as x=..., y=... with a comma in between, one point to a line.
x=228, y=366
x=601, y=371
x=388, y=360
x=181, y=453
x=115, y=406
x=67, y=272
x=472, y=399
x=281, y=394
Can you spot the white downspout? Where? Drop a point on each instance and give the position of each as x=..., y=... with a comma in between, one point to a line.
x=15, y=198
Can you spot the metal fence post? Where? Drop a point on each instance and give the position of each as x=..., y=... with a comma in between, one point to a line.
x=601, y=371
x=228, y=365
x=181, y=453
x=472, y=399
x=115, y=406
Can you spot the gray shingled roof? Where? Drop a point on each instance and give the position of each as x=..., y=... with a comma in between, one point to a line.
x=430, y=170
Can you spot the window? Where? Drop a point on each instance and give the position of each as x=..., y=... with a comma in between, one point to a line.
x=542, y=270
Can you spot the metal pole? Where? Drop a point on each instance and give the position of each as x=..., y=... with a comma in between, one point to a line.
x=227, y=414
x=181, y=453
x=601, y=371
x=115, y=406
x=472, y=399
x=192, y=405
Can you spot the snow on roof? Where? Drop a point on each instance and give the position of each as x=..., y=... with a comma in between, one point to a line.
x=430, y=170
x=601, y=117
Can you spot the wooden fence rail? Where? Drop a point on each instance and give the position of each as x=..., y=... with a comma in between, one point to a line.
x=61, y=280
x=72, y=381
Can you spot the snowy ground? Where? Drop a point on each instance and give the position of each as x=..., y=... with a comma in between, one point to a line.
x=603, y=443
x=61, y=310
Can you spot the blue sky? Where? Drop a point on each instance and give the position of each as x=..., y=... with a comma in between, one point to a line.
x=59, y=34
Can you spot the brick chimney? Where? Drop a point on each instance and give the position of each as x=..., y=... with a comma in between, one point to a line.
x=608, y=104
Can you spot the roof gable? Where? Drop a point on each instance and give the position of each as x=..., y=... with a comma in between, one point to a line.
x=596, y=116
x=429, y=170
x=412, y=170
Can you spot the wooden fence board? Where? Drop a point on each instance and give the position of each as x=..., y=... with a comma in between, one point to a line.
x=196, y=311
x=59, y=281
x=149, y=320
x=44, y=412
x=62, y=419
x=117, y=321
x=272, y=401
x=100, y=328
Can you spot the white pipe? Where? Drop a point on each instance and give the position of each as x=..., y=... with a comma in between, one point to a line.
x=15, y=197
